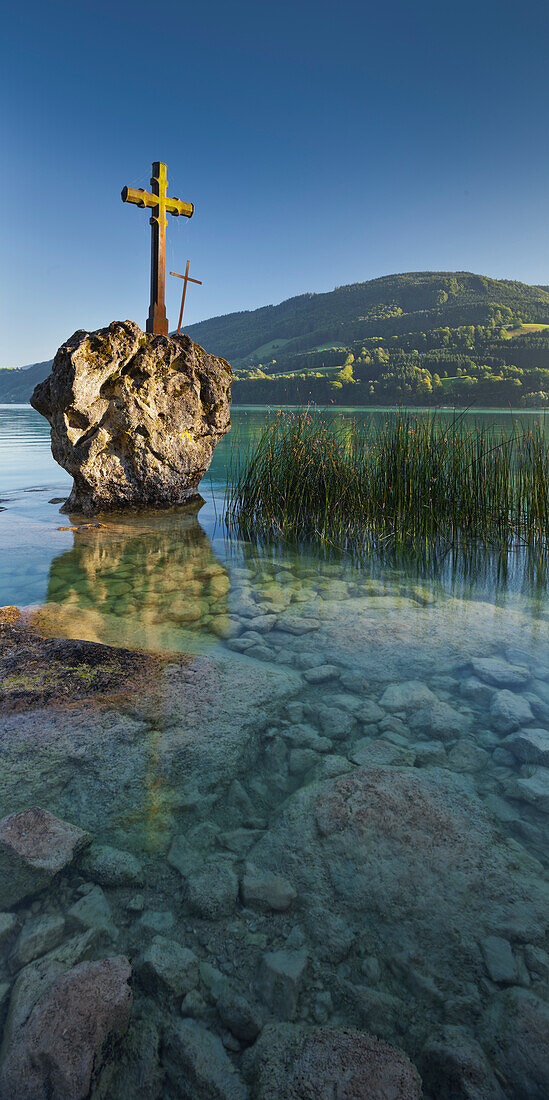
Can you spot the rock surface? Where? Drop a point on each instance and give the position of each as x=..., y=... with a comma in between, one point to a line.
x=134, y=419
x=61, y=1048
x=297, y=1063
x=198, y=1067
x=34, y=847
x=373, y=848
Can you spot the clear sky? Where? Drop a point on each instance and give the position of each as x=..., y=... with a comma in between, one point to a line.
x=322, y=143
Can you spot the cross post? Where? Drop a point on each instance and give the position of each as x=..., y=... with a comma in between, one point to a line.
x=160, y=205
x=187, y=279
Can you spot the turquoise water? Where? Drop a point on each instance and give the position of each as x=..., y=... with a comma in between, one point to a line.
x=378, y=737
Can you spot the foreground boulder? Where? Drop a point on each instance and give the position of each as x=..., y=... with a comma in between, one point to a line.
x=70, y=1036
x=134, y=418
x=406, y=865
x=34, y=847
x=297, y=1063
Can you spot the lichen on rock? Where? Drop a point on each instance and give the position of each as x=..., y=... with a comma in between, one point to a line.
x=134, y=417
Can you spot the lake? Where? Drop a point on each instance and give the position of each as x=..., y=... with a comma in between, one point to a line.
x=338, y=793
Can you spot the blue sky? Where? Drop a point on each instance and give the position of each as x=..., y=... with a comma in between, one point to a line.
x=322, y=144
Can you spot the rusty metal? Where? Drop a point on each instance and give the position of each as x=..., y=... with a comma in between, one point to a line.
x=187, y=279
x=160, y=205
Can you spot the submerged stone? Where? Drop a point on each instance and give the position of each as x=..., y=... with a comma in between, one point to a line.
x=112, y=867
x=63, y=1045
x=496, y=671
x=168, y=968
x=509, y=711
x=34, y=847
x=134, y=417
x=198, y=1067
x=38, y=936
x=290, y=1061
x=280, y=979
x=530, y=746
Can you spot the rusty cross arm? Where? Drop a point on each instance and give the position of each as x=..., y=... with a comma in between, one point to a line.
x=187, y=279
x=160, y=204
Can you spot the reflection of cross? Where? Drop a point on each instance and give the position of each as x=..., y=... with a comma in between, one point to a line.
x=187, y=279
x=160, y=205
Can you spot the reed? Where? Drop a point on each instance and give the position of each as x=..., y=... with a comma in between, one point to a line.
x=409, y=484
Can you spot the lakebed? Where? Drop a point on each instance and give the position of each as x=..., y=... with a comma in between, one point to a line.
x=323, y=803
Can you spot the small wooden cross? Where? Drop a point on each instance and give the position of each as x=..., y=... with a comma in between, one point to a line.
x=187, y=279
x=160, y=205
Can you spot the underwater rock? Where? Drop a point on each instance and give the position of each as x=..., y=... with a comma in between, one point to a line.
x=496, y=671
x=453, y=1064
x=168, y=968
x=62, y=1046
x=34, y=847
x=38, y=936
x=408, y=695
x=509, y=711
x=413, y=854
x=94, y=912
x=290, y=1062
x=134, y=418
x=212, y=891
x=517, y=1026
x=242, y=1019
x=530, y=746
x=280, y=979
x=111, y=867
x=198, y=1067
x=266, y=891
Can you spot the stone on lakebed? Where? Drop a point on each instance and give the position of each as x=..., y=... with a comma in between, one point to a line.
x=134, y=417
x=34, y=847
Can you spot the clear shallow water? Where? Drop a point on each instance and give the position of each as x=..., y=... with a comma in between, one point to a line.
x=427, y=836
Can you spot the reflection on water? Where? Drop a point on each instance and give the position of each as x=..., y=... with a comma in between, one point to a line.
x=140, y=583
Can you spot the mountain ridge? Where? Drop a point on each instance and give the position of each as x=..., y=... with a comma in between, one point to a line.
x=409, y=337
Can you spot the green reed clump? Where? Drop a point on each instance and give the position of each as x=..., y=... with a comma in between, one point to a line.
x=408, y=483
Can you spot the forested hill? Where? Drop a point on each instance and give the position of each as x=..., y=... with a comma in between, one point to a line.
x=394, y=304
x=418, y=338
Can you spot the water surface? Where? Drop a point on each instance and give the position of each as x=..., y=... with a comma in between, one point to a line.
x=359, y=731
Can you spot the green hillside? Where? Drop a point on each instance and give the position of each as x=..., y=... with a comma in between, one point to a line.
x=451, y=338
x=419, y=338
x=17, y=383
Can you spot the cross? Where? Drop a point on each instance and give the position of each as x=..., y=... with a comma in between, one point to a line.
x=187, y=279
x=160, y=205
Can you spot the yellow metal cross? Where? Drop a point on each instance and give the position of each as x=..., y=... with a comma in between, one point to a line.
x=187, y=279
x=160, y=205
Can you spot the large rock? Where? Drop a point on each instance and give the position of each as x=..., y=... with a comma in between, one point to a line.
x=34, y=847
x=70, y=1034
x=134, y=418
x=416, y=872
x=296, y=1063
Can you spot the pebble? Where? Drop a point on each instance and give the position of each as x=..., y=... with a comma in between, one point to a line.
x=38, y=936
x=265, y=890
x=280, y=979
x=408, y=695
x=166, y=967
x=530, y=746
x=381, y=753
x=499, y=959
x=496, y=671
x=93, y=911
x=212, y=892
x=321, y=674
x=157, y=920
x=111, y=867
x=509, y=711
